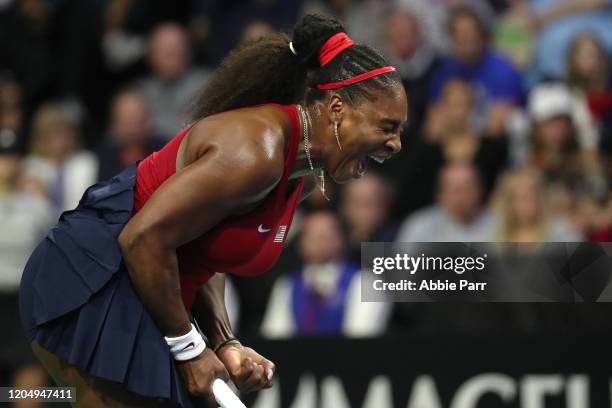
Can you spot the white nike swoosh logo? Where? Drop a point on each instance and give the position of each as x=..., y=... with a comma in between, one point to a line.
x=262, y=229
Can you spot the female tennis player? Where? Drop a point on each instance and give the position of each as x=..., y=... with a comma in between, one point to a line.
x=110, y=297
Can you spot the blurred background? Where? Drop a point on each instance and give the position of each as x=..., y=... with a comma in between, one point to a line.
x=510, y=139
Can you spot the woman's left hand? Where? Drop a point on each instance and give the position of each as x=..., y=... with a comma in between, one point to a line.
x=248, y=370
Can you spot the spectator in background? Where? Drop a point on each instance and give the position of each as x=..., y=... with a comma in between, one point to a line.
x=513, y=33
x=559, y=22
x=495, y=80
x=324, y=296
x=57, y=164
x=415, y=59
x=450, y=133
x=588, y=77
x=172, y=84
x=434, y=15
x=452, y=125
x=555, y=146
x=587, y=73
x=458, y=215
x=24, y=219
x=522, y=208
x=130, y=137
x=364, y=208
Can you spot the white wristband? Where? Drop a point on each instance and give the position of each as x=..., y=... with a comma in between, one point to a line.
x=187, y=346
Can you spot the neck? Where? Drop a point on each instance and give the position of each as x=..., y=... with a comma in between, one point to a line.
x=302, y=166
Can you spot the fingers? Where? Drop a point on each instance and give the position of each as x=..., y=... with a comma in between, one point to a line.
x=252, y=376
x=269, y=369
x=198, y=375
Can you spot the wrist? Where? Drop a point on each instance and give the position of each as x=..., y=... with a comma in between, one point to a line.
x=218, y=333
x=229, y=342
x=187, y=346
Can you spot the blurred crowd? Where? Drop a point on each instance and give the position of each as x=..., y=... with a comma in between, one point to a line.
x=510, y=134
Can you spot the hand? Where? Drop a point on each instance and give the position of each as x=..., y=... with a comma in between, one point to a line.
x=249, y=370
x=199, y=373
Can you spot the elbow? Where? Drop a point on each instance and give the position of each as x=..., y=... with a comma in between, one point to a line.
x=127, y=241
x=136, y=239
x=131, y=239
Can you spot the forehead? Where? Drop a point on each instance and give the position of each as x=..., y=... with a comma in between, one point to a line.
x=389, y=106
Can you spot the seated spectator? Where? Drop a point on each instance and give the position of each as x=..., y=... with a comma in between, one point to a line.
x=364, y=208
x=495, y=79
x=434, y=16
x=457, y=216
x=522, y=208
x=448, y=134
x=415, y=59
x=324, y=296
x=173, y=84
x=56, y=161
x=514, y=34
x=560, y=21
x=24, y=219
x=588, y=78
x=130, y=137
x=555, y=147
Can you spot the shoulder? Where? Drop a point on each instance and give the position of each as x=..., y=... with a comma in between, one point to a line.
x=501, y=63
x=250, y=141
x=420, y=222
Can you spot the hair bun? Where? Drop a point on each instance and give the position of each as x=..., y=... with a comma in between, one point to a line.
x=309, y=35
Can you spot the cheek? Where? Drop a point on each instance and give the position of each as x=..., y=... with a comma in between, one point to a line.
x=364, y=138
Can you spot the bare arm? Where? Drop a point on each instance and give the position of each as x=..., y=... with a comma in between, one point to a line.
x=210, y=311
x=219, y=183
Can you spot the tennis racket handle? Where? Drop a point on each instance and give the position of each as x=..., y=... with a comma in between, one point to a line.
x=224, y=395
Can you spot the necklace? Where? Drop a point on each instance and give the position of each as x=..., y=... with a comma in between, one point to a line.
x=306, y=133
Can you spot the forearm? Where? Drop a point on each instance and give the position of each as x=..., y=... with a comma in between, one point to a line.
x=154, y=273
x=210, y=312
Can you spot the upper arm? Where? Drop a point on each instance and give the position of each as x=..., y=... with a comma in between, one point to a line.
x=232, y=171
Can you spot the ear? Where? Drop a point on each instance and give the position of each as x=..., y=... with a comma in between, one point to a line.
x=335, y=108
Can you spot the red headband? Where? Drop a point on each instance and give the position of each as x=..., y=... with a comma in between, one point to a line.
x=334, y=46
x=356, y=78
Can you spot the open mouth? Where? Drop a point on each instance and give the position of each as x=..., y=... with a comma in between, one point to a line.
x=378, y=159
x=362, y=166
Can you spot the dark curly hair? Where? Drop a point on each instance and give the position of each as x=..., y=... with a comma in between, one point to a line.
x=265, y=70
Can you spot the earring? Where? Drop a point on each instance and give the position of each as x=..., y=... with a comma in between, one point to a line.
x=337, y=135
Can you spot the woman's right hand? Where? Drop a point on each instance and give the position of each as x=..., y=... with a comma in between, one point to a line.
x=200, y=372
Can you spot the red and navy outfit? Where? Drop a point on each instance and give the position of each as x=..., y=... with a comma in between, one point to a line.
x=77, y=299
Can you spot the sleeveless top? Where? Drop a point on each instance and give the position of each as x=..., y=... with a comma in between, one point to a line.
x=245, y=245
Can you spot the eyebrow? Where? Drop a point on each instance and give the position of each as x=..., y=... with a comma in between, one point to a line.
x=395, y=123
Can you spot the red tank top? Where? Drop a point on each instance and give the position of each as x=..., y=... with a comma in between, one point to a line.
x=246, y=244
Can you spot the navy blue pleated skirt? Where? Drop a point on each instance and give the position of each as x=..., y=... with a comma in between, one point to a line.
x=78, y=302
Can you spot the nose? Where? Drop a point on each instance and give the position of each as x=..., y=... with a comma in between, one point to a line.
x=394, y=145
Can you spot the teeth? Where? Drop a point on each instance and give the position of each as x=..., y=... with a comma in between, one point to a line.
x=377, y=159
